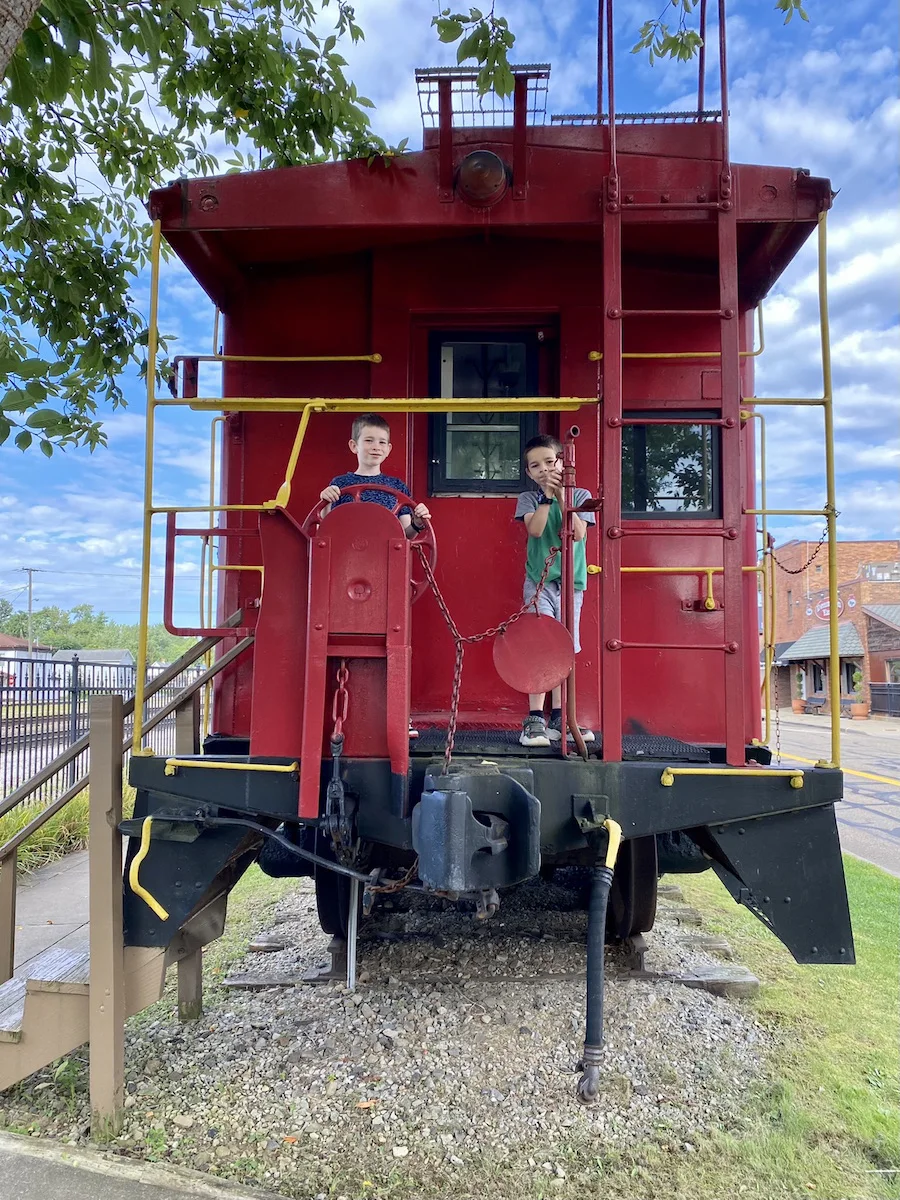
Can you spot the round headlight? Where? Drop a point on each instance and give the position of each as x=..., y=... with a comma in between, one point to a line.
x=482, y=177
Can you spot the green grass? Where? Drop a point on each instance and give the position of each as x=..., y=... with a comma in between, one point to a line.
x=66, y=830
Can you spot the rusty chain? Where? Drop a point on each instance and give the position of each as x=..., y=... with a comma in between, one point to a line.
x=461, y=641
x=799, y=570
x=340, y=704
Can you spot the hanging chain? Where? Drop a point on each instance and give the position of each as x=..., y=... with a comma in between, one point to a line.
x=462, y=641
x=340, y=704
x=799, y=570
x=777, y=672
x=338, y=811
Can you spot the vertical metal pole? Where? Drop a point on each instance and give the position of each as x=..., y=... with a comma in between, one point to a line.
x=30, y=573
x=611, y=482
x=74, y=697
x=613, y=186
x=834, y=661
x=8, y=867
x=701, y=80
x=601, y=17
x=152, y=339
x=352, y=929
x=107, y=986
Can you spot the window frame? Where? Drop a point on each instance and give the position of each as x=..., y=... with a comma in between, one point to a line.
x=690, y=515
x=439, y=483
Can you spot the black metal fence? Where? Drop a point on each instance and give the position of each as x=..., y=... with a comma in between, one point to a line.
x=885, y=699
x=45, y=707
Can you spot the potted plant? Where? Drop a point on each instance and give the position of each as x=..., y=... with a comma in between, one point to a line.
x=798, y=704
x=859, y=709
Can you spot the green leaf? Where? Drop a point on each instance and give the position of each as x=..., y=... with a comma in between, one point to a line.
x=47, y=449
x=44, y=418
x=448, y=31
x=5, y=428
x=23, y=439
x=35, y=50
x=16, y=400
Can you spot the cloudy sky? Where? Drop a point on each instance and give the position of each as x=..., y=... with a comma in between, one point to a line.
x=821, y=95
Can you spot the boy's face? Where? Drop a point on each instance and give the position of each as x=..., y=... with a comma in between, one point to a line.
x=371, y=448
x=539, y=462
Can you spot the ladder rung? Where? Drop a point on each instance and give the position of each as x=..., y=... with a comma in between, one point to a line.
x=616, y=314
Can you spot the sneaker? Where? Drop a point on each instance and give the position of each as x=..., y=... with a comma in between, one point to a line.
x=534, y=732
x=554, y=731
x=413, y=733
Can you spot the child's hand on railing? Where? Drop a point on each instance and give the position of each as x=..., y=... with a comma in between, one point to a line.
x=420, y=514
x=331, y=494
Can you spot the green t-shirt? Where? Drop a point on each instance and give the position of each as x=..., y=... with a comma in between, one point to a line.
x=540, y=547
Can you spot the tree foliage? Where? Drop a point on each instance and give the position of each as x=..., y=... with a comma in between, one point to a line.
x=81, y=628
x=487, y=39
x=101, y=103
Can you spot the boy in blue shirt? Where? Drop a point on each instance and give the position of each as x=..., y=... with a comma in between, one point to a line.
x=539, y=508
x=370, y=441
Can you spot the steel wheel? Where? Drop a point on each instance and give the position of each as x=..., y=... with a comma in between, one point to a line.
x=332, y=901
x=632, y=898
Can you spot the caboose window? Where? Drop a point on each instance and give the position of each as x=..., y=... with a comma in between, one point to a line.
x=670, y=470
x=475, y=450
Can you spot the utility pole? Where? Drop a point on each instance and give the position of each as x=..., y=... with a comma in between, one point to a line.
x=29, y=571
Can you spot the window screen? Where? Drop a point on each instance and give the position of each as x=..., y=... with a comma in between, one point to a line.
x=670, y=470
x=481, y=451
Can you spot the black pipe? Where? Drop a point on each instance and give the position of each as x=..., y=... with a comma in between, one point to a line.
x=589, y=1084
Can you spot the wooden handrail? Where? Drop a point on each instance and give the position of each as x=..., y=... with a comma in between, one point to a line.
x=68, y=755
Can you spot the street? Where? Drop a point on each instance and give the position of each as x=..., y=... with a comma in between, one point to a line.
x=869, y=816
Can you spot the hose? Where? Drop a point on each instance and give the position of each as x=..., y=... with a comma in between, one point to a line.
x=601, y=882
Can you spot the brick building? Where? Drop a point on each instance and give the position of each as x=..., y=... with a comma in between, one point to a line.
x=868, y=575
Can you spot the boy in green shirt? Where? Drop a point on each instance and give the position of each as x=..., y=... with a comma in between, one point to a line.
x=539, y=508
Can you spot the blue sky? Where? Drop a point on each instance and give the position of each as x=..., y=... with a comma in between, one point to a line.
x=821, y=95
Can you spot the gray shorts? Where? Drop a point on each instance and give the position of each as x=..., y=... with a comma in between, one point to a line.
x=548, y=603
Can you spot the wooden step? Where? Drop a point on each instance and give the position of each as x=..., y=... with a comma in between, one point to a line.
x=59, y=970
x=12, y=1010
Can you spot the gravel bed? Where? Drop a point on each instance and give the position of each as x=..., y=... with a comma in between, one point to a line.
x=457, y=1052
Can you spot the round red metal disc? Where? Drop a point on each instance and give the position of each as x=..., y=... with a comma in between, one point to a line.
x=535, y=654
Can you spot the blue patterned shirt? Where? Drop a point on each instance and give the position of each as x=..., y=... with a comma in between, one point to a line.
x=372, y=495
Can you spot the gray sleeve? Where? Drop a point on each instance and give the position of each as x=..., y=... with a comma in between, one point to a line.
x=526, y=503
x=582, y=494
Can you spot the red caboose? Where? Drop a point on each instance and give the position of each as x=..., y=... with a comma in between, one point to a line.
x=593, y=279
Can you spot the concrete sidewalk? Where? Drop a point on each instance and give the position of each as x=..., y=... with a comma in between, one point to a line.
x=873, y=727
x=31, y=1169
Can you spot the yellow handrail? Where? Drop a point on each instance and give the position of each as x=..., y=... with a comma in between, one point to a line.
x=215, y=764
x=834, y=664
x=133, y=871
x=667, y=779
x=282, y=358
x=141, y=666
x=597, y=355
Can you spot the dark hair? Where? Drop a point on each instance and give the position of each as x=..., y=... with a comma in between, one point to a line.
x=543, y=441
x=372, y=419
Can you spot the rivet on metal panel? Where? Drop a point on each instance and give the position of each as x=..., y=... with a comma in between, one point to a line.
x=398, y=545
x=318, y=627
x=321, y=545
x=731, y=534
x=396, y=629
x=728, y=313
x=614, y=531
x=614, y=422
x=614, y=314
x=613, y=644
x=729, y=422
x=732, y=647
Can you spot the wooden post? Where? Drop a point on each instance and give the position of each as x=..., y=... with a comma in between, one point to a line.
x=8, y=916
x=107, y=986
x=190, y=968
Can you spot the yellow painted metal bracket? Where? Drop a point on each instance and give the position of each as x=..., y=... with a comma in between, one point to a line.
x=134, y=872
x=173, y=765
x=667, y=779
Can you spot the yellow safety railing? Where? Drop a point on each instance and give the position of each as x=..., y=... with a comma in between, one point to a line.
x=829, y=511
x=667, y=779
x=597, y=355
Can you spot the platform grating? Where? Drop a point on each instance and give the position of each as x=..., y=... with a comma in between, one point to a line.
x=635, y=746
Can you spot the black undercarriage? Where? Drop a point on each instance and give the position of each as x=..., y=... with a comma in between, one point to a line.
x=502, y=815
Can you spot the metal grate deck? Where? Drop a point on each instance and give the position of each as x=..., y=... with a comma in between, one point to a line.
x=505, y=742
